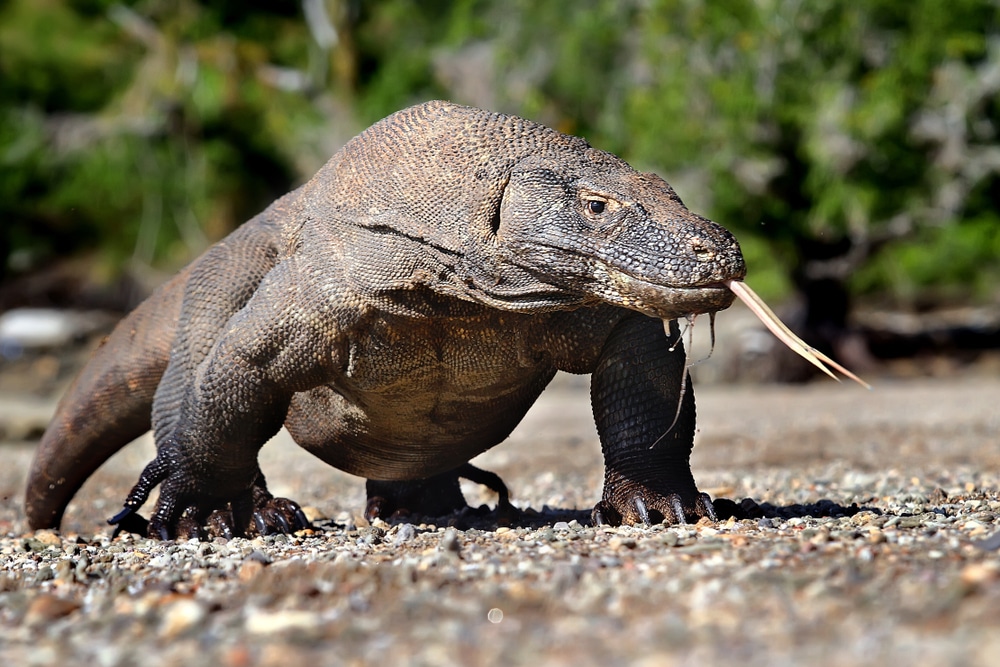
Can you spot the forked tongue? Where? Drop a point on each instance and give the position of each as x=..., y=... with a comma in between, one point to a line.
x=785, y=335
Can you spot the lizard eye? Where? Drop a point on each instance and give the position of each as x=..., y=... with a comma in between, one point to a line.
x=596, y=206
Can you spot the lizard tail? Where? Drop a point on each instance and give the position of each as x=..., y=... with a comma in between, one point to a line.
x=107, y=406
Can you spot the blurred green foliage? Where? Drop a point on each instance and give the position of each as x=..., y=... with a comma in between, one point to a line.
x=149, y=128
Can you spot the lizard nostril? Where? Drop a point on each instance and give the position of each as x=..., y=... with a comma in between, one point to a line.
x=702, y=251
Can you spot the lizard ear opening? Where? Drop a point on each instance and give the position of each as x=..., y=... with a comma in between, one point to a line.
x=495, y=219
x=496, y=206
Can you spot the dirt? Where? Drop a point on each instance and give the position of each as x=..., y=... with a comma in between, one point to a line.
x=876, y=548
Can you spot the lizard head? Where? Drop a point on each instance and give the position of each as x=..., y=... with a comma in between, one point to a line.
x=504, y=211
x=592, y=225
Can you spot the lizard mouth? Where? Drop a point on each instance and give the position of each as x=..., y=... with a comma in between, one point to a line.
x=662, y=301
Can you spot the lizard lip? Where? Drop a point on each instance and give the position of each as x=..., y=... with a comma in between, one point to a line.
x=665, y=301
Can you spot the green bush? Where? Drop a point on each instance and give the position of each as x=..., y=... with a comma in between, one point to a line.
x=148, y=128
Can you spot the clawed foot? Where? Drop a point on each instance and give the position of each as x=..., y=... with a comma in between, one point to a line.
x=253, y=512
x=631, y=503
x=277, y=515
x=272, y=517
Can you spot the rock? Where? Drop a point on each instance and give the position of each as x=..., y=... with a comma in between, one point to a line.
x=180, y=616
x=47, y=607
x=273, y=623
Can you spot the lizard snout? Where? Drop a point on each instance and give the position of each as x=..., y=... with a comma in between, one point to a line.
x=716, y=254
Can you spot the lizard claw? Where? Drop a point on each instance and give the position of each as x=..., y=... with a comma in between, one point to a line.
x=154, y=473
x=260, y=524
x=632, y=502
x=705, y=507
x=375, y=508
x=678, y=509
x=129, y=521
x=640, y=507
x=121, y=516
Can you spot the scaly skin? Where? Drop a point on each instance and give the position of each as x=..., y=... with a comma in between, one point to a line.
x=399, y=313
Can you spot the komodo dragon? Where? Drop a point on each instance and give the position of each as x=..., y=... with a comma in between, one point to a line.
x=399, y=314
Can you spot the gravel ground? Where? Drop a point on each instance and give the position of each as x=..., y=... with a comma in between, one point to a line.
x=880, y=544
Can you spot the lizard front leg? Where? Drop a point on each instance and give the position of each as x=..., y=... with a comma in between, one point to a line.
x=206, y=463
x=643, y=404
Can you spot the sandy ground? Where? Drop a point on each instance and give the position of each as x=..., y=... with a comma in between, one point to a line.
x=894, y=565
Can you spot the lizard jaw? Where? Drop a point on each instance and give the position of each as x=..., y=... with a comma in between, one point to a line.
x=661, y=301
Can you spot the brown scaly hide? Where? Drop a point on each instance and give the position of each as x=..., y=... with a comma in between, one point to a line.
x=399, y=313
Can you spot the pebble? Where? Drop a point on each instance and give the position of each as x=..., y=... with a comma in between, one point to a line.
x=180, y=616
x=883, y=571
x=46, y=607
x=979, y=574
x=403, y=533
x=450, y=542
x=279, y=622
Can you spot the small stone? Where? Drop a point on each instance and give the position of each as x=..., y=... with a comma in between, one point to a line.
x=80, y=569
x=180, y=616
x=64, y=571
x=545, y=534
x=978, y=574
x=344, y=560
x=253, y=565
x=273, y=623
x=822, y=536
x=46, y=607
x=371, y=535
x=450, y=542
x=974, y=528
x=259, y=556
x=249, y=570
x=991, y=543
x=618, y=542
x=48, y=538
x=864, y=518
x=876, y=536
x=403, y=533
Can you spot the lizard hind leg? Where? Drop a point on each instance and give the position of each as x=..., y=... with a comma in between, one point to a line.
x=435, y=496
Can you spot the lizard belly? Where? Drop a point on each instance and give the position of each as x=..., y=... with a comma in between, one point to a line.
x=418, y=400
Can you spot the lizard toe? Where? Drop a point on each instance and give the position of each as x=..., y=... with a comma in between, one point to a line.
x=220, y=524
x=633, y=503
x=292, y=513
x=189, y=525
x=605, y=514
x=129, y=521
x=705, y=507
x=376, y=508
x=279, y=516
